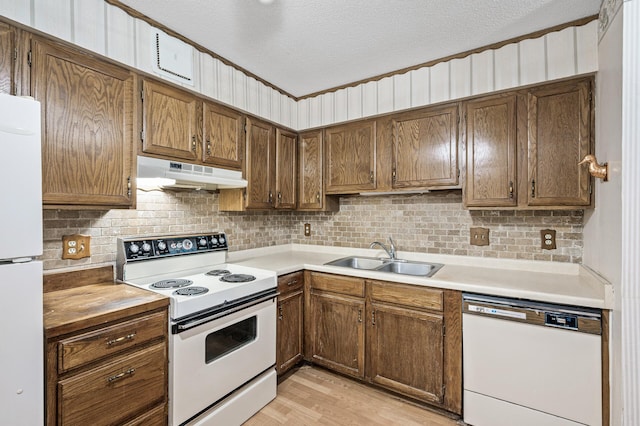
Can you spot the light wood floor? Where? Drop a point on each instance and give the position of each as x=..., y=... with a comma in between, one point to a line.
x=314, y=396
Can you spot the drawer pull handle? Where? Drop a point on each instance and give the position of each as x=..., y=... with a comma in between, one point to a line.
x=280, y=315
x=292, y=282
x=121, y=339
x=373, y=317
x=119, y=376
x=359, y=315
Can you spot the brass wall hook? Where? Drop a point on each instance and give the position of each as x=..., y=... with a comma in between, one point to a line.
x=597, y=170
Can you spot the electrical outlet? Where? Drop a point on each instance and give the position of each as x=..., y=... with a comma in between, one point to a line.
x=76, y=246
x=479, y=236
x=307, y=229
x=548, y=239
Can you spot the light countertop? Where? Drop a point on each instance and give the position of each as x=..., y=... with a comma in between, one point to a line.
x=553, y=282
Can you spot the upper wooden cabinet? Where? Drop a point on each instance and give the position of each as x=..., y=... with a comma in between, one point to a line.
x=311, y=194
x=559, y=137
x=491, y=151
x=223, y=136
x=286, y=163
x=350, y=158
x=271, y=167
x=260, y=164
x=87, y=127
x=8, y=59
x=523, y=148
x=170, y=121
x=425, y=148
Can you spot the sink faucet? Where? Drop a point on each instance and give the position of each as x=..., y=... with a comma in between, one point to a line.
x=391, y=251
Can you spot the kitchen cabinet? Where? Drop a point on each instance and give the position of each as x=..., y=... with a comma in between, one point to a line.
x=311, y=196
x=271, y=170
x=413, y=343
x=560, y=122
x=8, y=58
x=87, y=127
x=169, y=121
x=409, y=349
x=286, y=164
x=223, y=136
x=115, y=373
x=334, y=328
x=523, y=147
x=491, y=151
x=289, y=329
x=425, y=148
x=350, y=158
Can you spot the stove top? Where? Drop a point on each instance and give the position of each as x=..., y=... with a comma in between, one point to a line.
x=194, y=279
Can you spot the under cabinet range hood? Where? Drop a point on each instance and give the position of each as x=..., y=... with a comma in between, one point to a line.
x=159, y=173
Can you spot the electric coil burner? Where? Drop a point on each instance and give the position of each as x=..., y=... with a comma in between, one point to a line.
x=171, y=283
x=237, y=278
x=222, y=323
x=191, y=291
x=218, y=272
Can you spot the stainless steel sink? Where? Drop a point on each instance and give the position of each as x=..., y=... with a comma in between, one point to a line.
x=357, y=262
x=403, y=267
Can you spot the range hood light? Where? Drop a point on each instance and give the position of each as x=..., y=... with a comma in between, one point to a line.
x=150, y=184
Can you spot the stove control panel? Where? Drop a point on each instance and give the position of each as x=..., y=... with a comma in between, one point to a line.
x=152, y=248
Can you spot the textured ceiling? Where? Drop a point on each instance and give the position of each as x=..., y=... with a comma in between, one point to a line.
x=306, y=46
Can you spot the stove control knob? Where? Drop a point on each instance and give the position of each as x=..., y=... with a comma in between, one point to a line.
x=162, y=245
x=202, y=242
x=187, y=244
x=146, y=247
x=134, y=248
x=221, y=239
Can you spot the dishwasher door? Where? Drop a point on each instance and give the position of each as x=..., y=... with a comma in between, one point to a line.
x=527, y=363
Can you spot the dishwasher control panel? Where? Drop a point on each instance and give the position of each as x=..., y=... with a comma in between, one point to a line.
x=561, y=320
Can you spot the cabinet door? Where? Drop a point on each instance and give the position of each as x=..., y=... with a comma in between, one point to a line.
x=491, y=152
x=337, y=333
x=223, y=136
x=260, y=164
x=425, y=148
x=406, y=351
x=169, y=121
x=310, y=194
x=286, y=169
x=559, y=137
x=87, y=127
x=8, y=45
x=289, y=331
x=350, y=156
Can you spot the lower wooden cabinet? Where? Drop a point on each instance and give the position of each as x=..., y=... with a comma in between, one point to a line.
x=116, y=374
x=289, y=330
x=405, y=338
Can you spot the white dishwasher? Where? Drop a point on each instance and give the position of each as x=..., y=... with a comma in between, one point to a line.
x=530, y=364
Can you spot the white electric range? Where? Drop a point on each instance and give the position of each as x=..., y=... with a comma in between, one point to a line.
x=222, y=325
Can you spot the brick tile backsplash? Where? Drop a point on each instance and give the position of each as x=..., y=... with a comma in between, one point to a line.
x=430, y=223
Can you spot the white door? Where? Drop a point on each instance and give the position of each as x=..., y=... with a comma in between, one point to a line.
x=21, y=353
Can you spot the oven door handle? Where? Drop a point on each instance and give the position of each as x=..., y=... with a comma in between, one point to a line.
x=195, y=323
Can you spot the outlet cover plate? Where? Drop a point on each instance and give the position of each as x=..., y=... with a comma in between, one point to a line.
x=76, y=246
x=548, y=239
x=479, y=236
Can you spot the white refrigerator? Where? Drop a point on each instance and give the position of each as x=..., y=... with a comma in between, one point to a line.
x=21, y=331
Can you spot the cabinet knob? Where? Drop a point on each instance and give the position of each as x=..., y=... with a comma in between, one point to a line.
x=393, y=175
x=193, y=143
x=359, y=315
x=318, y=196
x=371, y=176
x=280, y=316
x=270, y=197
x=208, y=147
x=510, y=189
x=373, y=317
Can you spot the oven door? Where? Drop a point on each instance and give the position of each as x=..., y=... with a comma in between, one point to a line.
x=210, y=360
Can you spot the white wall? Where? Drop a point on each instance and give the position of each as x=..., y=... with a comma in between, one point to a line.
x=107, y=30
x=603, y=225
x=612, y=230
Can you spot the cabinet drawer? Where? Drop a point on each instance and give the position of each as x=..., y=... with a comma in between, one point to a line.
x=115, y=391
x=406, y=295
x=338, y=284
x=290, y=282
x=154, y=417
x=87, y=347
